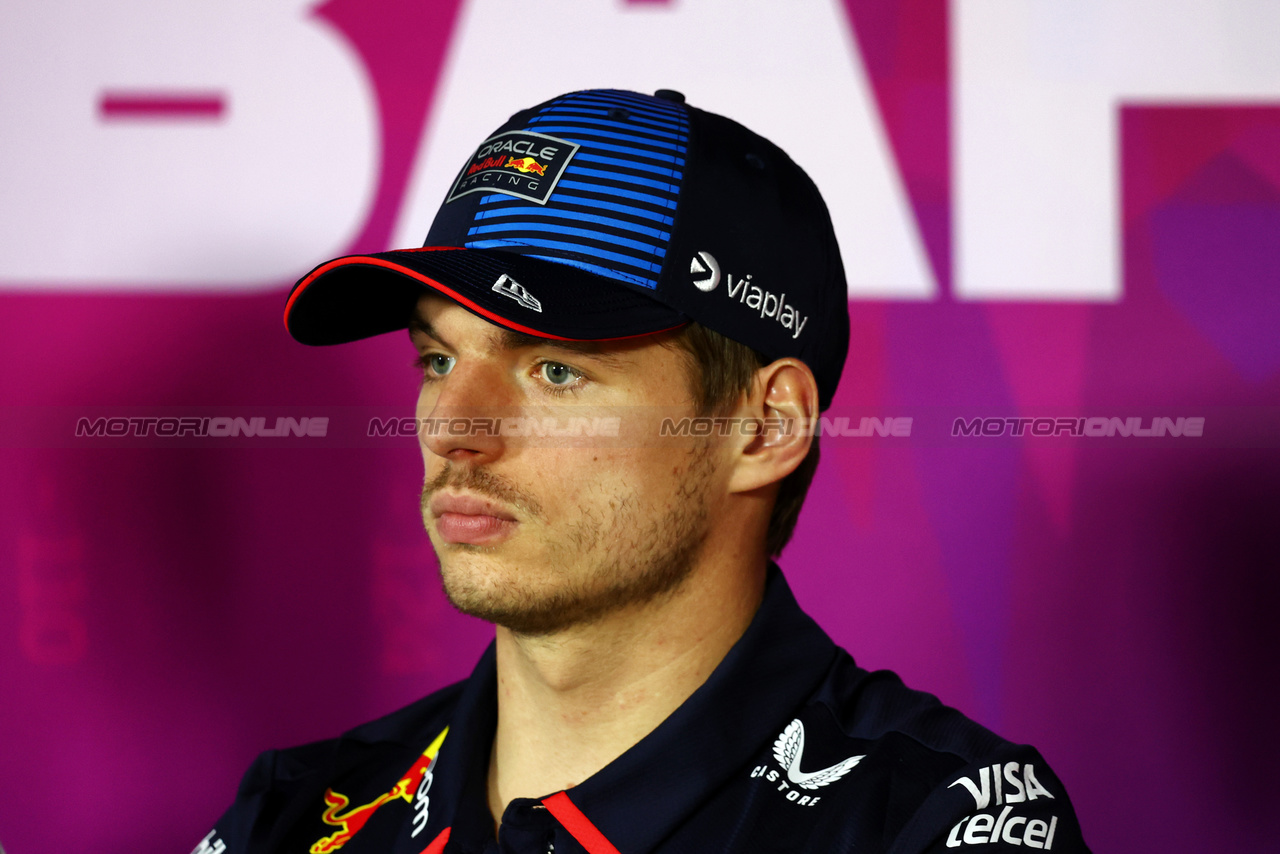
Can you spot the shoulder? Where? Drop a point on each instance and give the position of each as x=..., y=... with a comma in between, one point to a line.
x=877, y=705
x=940, y=780
x=388, y=735
x=281, y=784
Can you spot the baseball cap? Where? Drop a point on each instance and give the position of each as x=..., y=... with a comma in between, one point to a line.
x=607, y=214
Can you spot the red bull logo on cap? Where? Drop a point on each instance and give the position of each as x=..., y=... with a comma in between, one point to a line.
x=527, y=164
x=519, y=163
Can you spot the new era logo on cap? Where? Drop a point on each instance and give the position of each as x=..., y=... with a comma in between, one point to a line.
x=509, y=287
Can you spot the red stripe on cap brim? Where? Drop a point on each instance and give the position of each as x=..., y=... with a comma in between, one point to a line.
x=444, y=289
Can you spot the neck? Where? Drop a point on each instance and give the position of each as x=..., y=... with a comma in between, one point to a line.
x=572, y=702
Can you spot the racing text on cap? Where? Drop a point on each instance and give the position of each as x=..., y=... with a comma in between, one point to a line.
x=519, y=163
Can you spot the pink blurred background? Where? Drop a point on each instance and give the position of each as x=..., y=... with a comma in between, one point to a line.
x=168, y=608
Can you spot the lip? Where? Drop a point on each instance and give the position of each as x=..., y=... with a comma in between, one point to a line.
x=466, y=519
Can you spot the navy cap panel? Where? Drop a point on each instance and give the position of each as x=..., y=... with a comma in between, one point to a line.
x=754, y=256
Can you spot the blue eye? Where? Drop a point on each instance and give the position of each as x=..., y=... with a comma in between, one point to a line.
x=558, y=374
x=440, y=364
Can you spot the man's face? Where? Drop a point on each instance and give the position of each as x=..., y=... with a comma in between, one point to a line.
x=538, y=533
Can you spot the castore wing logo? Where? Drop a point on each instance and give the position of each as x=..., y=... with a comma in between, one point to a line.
x=789, y=750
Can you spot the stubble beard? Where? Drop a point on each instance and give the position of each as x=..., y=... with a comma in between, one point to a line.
x=633, y=562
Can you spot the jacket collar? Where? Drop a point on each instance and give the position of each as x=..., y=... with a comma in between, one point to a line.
x=646, y=793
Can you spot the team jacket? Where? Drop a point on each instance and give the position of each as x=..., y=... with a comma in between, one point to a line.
x=788, y=746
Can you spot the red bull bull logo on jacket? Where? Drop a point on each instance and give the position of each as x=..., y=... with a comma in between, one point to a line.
x=348, y=820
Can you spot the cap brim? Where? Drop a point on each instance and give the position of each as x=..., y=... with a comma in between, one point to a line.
x=359, y=296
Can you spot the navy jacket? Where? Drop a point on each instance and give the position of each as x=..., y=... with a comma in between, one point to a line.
x=788, y=746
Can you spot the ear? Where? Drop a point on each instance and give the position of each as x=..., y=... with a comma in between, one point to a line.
x=784, y=398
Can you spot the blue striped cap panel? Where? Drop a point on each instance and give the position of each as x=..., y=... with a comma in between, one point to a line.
x=613, y=207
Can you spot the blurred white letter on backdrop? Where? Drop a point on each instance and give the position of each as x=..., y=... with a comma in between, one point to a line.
x=151, y=144
x=1036, y=89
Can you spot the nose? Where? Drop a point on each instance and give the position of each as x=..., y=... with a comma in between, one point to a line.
x=460, y=415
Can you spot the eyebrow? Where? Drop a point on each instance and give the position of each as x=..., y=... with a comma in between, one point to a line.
x=419, y=324
x=503, y=339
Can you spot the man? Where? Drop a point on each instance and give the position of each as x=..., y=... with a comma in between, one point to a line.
x=671, y=279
